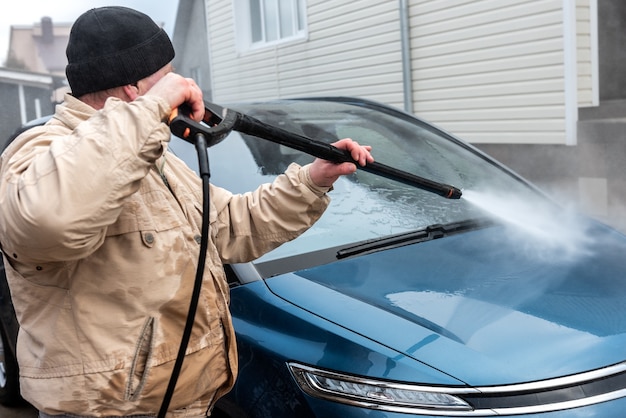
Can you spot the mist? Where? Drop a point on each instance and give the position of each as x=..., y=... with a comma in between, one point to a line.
x=540, y=231
x=589, y=177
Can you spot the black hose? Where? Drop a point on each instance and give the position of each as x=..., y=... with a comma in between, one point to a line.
x=205, y=174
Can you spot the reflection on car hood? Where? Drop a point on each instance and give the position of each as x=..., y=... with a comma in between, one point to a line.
x=480, y=306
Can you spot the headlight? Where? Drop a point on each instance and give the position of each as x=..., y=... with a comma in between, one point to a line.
x=556, y=394
x=376, y=394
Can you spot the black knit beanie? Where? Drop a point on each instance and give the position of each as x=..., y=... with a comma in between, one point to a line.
x=114, y=46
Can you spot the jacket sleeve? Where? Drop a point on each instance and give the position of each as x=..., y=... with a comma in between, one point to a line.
x=253, y=223
x=62, y=185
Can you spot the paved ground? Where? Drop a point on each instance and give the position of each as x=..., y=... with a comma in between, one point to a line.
x=22, y=412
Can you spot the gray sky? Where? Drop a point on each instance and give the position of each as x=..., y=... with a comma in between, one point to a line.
x=28, y=12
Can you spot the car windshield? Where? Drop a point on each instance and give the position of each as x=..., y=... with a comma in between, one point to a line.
x=363, y=206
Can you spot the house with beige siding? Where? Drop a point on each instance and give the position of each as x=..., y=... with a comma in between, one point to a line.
x=490, y=71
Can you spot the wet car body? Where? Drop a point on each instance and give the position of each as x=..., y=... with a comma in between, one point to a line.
x=486, y=338
x=402, y=302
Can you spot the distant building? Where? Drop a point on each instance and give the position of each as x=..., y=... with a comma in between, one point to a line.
x=33, y=79
x=191, y=44
x=25, y=96
x=39, y=48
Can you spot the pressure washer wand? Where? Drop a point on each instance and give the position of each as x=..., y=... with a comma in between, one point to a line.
x=218, y=127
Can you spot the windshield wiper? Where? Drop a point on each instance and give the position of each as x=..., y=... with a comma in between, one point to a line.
x=421, y=235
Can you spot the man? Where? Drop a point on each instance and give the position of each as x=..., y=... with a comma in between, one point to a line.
x=100, y=232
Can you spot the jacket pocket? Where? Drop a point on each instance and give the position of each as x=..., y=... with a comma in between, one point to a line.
x=140, y=367
x=148, y=211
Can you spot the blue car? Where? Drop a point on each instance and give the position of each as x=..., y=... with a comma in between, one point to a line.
x=401, y=302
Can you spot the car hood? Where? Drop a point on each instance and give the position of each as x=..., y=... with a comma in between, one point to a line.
x=481, y=306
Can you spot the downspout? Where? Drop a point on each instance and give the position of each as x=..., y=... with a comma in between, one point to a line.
x=405, y=38
x=22, y=101
x=570, y=72
x=595, y=58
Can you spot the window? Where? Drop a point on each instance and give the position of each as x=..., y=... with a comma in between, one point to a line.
x=268, y=22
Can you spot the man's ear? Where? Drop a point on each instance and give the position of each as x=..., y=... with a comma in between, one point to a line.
x=131, y=90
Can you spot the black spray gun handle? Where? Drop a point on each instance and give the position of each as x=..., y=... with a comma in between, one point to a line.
x=217, y=127
x=213, y=127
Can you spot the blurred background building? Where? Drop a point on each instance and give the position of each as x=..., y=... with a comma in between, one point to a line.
x=32, y=79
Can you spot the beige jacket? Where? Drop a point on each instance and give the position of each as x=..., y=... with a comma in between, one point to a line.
x=101, y=258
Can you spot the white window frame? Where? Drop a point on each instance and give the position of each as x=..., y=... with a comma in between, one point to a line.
x=244, y=22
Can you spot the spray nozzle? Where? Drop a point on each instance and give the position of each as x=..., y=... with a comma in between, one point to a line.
x=454, y=193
